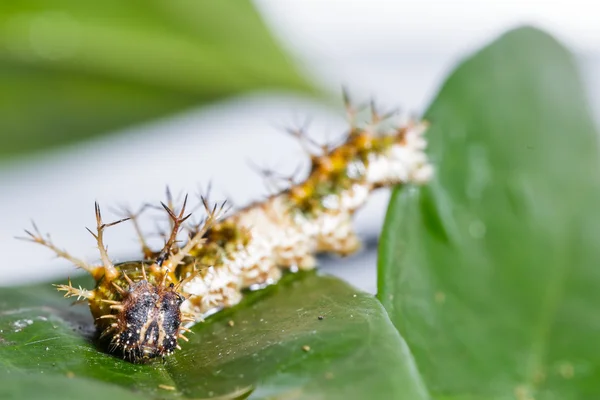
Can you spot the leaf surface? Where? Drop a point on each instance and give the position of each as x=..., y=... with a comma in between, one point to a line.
x=491, y=272
x=272, y=346
x=73, y=69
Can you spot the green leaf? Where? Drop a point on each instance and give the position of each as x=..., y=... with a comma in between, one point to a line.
x=354, y=351
x=72, y=69
x=491, y=272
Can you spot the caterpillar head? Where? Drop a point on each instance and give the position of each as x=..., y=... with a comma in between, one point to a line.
x=149, y=320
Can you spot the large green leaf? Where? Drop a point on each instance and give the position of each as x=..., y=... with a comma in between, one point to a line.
x=491, y=273
x=71, y=69
x=354, y=351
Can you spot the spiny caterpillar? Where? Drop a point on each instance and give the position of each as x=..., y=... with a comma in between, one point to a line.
x=141, y=307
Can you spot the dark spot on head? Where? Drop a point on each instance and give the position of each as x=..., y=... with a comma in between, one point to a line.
x=149, y=322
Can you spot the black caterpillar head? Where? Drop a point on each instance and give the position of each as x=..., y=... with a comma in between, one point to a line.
x=149, y=323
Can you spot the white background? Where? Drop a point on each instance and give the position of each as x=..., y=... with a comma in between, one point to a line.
x=396, y=52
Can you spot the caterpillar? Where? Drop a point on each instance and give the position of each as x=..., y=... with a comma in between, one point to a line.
x=142, y=308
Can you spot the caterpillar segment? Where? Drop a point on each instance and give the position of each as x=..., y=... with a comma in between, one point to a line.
x=143, y=308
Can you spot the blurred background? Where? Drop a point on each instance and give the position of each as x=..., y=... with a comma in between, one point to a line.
x=113, y=101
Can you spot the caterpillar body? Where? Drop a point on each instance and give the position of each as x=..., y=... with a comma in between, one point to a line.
x=143, y=308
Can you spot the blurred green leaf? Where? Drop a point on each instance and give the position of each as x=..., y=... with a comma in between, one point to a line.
x=354, y=352
x=72, y=69
x=491, y=272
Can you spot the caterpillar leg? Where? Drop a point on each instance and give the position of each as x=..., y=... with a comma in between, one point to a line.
x=340, y=237
x=340, y=245
x=297, y=255
x=306, y=263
